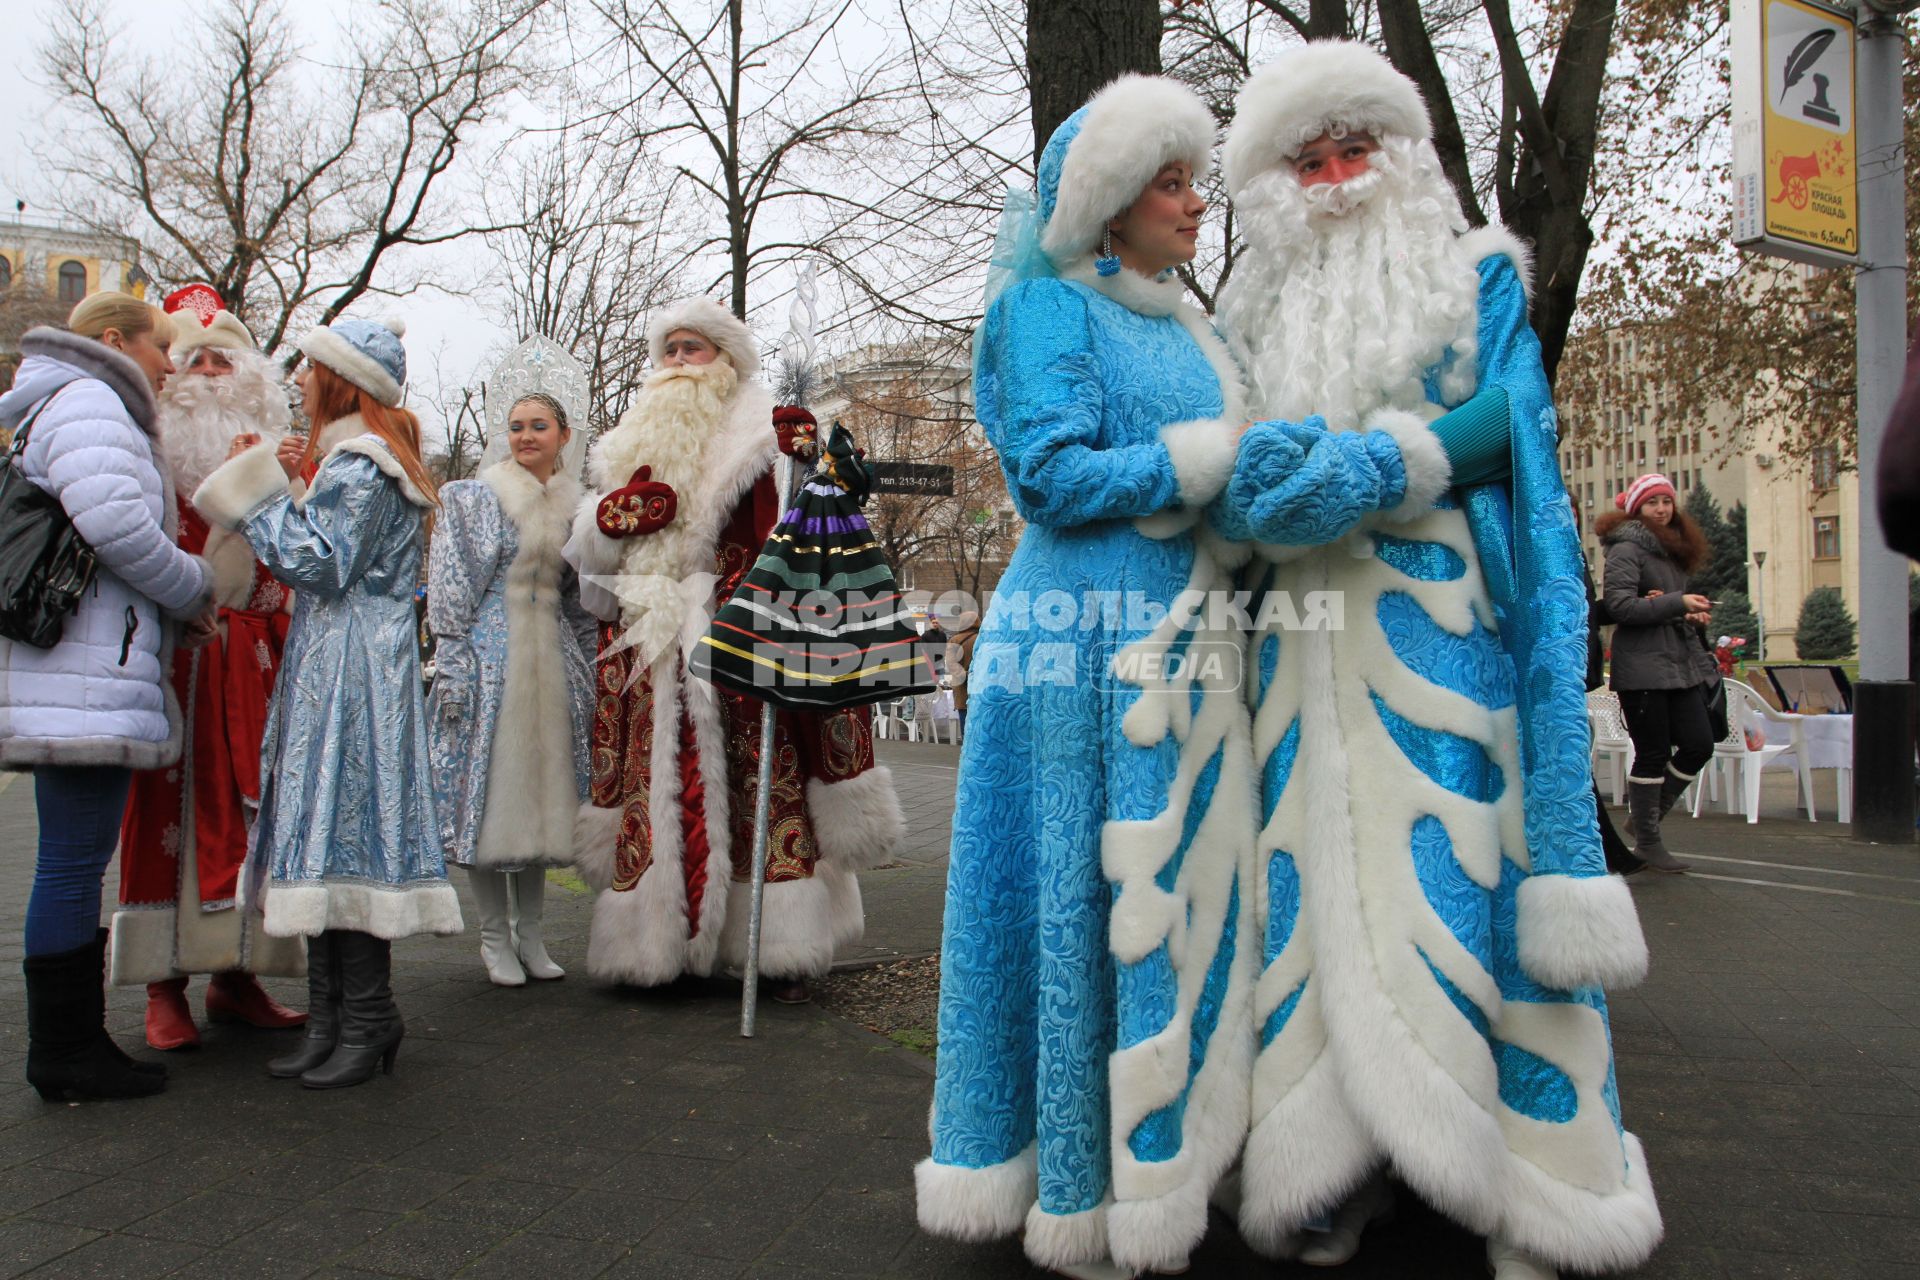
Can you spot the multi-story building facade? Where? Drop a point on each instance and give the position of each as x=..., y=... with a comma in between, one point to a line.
x=45, y=268
x=1802, y=514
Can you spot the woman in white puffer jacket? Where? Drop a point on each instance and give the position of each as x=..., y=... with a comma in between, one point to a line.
x=96, y=706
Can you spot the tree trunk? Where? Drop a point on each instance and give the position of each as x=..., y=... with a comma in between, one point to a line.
x=1075, y=47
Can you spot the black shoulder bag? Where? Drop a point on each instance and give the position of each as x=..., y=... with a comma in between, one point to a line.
x=1714, y=688
x=44, y=562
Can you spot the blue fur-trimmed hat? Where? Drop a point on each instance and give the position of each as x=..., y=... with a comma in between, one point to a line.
x=367, y=354
x=1103, y=155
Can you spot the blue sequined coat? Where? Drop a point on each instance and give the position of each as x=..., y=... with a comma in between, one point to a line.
x=1093, y=1050
x=1434, y=913
x=512, y=703
x=345, y=838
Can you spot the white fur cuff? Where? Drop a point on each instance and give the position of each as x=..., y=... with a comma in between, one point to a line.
x=1425, y=458
x=1579, y=931
x=1203, y=452
x=240, y=484
x=595, y=832
x=975, y=1204
x=857, y=823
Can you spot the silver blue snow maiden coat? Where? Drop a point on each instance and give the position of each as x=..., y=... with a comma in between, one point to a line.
x=512, y=703
x=346, y=836
x=1093, y=1048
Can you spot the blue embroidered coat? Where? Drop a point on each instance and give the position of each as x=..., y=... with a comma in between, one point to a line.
x=345, y=838
x=1093, y=1048
x=1434, y=914
x=512, y=704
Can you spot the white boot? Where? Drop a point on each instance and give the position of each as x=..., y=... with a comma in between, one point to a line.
x=496, y=930
x=1370, y=1204
x=1508, y=1262
x=529, y=908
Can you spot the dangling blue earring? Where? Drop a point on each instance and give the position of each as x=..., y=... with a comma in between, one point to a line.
x=1106, y=264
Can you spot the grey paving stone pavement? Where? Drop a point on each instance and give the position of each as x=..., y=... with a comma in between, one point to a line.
x=1771, y=1065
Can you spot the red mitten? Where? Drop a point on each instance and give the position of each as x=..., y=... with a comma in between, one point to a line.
x=798, y=430
x=643, y=505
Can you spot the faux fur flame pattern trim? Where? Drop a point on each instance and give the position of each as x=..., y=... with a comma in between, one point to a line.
x=383, y=910
x=857, y=824
x=1428, y=470
x=1579, y=1229
x=802, y=922
x=1133, y=128
x=532, y=791
x=975, y=1204
x=1580, y=931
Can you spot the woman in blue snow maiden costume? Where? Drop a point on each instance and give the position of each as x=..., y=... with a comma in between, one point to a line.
x=1094, y=1048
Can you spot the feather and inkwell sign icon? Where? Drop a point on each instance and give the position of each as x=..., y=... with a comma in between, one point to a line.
x=1795, y=187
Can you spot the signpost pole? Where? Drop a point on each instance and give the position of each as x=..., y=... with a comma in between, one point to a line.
x=1883, y=740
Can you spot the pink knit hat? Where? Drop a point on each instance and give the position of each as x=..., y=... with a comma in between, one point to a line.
x=1640, y=490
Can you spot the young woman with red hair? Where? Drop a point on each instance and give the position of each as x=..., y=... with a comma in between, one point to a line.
x=344, y=850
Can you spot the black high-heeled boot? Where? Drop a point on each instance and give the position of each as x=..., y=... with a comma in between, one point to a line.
x=112, y=1046
x=323, y=1011
x=69, y=1054
x=370, y=1030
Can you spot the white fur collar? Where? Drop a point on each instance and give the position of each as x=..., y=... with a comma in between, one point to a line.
x=1130, y=289
x=1494, y=240
x=352, y=435
x=525, y=499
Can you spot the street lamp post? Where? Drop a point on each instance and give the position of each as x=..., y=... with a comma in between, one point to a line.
x=1760, y=604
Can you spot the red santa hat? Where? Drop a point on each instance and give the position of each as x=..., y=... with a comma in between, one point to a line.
x=216, y=327
x=1640, y=490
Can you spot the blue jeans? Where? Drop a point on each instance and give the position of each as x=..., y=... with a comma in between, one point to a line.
x=80, y=810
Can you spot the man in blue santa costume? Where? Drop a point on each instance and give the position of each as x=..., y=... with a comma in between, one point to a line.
x=1434, y=915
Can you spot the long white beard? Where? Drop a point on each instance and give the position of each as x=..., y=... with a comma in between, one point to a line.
x=671, y=429
x=1347, y=295
x=200, y=416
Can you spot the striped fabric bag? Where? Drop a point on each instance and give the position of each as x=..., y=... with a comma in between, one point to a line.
x=819, y=623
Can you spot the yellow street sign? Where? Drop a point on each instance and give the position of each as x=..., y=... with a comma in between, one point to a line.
x=1795, y=156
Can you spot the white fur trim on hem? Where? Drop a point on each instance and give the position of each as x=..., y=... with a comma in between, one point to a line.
x=639, y=936
x=238, y=485
x=1581, y=1230
x=1133, y=128
x=1577, y=931
x=856, y=823
x=1494, y=240
x=1425, y=458
x=1203, y=452
x=975, y=1204
x=596, y=831
x=1057, y=1240
x=802, y=922
x=384, y=910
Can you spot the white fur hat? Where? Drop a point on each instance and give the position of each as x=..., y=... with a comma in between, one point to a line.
x=712, y=321
x=1306, y=91
x=1103, y=155
x=223, y=331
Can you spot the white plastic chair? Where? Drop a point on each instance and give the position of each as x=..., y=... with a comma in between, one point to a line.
x=1741, y=763
x=1610, y=738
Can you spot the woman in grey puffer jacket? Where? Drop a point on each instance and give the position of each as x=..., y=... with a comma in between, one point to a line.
x=96, y=706
x=1659, y=667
